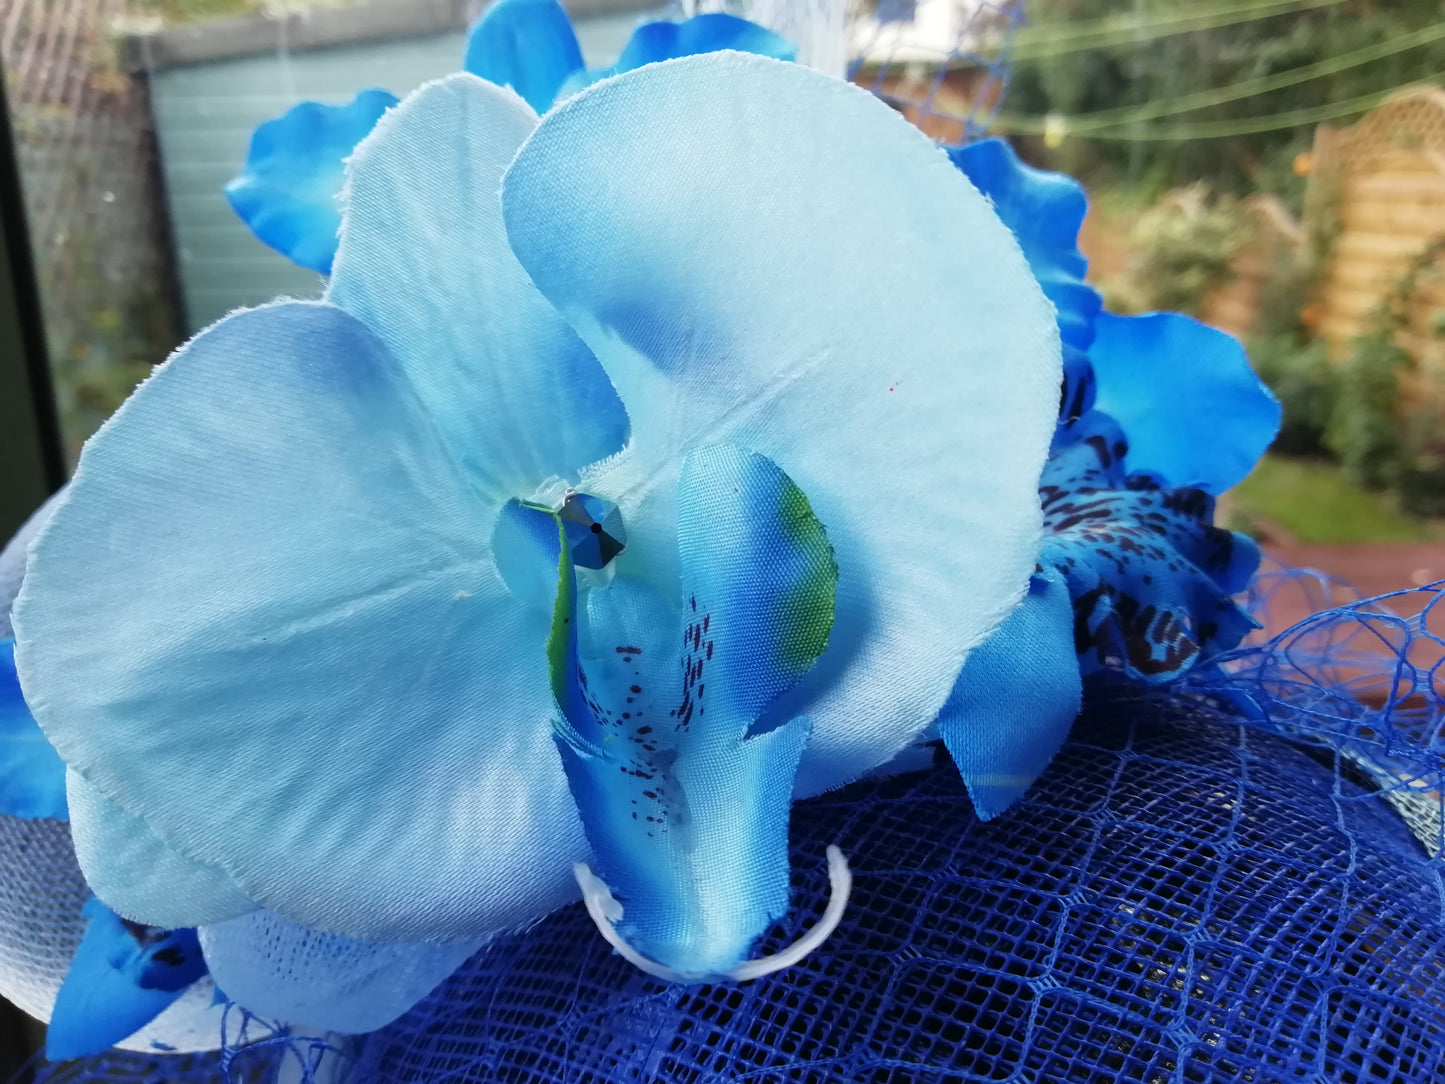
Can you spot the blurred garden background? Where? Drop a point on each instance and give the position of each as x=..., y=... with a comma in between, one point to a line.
x=1275, y=167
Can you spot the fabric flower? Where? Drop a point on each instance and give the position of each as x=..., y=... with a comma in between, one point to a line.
x=64, y=957
x=1157, y=414
x=282, y=630
x=289, y=193
x=32, y=775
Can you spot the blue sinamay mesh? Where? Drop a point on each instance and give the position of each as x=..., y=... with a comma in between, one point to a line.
x=949, y=75
x=1226, y=883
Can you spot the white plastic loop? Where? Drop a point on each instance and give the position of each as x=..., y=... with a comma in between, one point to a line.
x=605, y=911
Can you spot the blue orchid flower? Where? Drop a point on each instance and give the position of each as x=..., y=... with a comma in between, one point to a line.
x=32, y=775
x=114, y=982
x=124, y=975
x=289, y=629
x=683, y=783
x=1157, y=414
x=289, y=193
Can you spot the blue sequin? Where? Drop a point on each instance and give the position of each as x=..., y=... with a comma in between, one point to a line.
x=594, y=530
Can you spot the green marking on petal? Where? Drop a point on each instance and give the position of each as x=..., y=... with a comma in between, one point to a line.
x=805, y=611
x=564, y=611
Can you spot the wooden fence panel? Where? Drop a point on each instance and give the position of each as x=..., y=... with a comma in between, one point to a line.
x=1384, y=181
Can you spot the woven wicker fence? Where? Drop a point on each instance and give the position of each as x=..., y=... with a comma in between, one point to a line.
x=87, y=162
x=1383, y=181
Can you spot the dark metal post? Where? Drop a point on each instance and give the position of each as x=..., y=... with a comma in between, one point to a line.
x=32, y=458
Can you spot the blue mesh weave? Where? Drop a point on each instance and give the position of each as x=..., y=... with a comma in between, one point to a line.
x=253, y=1053
x=915, y=77
x=1226, y=883
x=122, y=1068
x=1183, y=898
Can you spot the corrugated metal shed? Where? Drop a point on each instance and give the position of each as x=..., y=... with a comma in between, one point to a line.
x=212, y=84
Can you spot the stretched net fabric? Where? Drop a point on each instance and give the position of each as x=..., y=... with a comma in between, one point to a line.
x=259, y=1067
x=42, y=892
x=944, y=64
x=1234, y=881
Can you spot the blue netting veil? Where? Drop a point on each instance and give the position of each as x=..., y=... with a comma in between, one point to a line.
x=1236, y=880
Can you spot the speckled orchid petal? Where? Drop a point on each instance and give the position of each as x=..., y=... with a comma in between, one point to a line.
x=1152, y=579
x=683, y=780
x=729, y=305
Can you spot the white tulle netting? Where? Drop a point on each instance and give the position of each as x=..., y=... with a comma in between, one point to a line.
x=284, y=971
x=41, y=896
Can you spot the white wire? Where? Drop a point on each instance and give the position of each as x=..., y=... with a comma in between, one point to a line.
x=605, y=910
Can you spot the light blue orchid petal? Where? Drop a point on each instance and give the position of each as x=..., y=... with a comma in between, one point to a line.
x=685, y=790
x=282, y=971
x=12, y=560
x=525, y=545
x=177, y=892
x=424, y=262
x=121, y=979
x=267, y=623
x=290, y=189
x=1045, y=212
x=528, y=45
x=1194, y=410
x=32, y=775
x=1015, y=700
x=854, y=311
x=759, y=582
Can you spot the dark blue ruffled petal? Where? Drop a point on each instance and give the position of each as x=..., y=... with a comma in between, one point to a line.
x=289, y=191
x=710, y=33
x=1133, y=574
x=1194, y=410
x=528, y=45
x=654, y=42
x=32, y=775
x=1015, y=700
x=123, y=976
x=1151, y=578
x=1044, y=211
x=1087, y=453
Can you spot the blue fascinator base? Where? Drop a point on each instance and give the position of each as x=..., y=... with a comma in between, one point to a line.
x=1219, y=879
